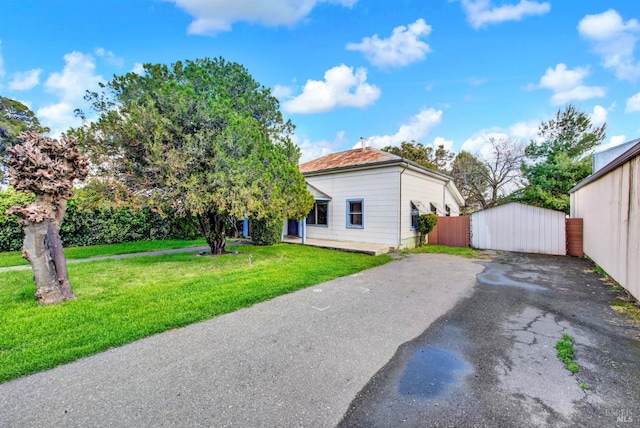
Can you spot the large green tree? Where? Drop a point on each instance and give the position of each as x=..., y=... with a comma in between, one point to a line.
x=559, y=159
x=202, y=135
x=437, y=158
x=15, y=118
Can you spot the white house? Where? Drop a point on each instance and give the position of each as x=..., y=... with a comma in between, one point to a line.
x=608, y=201
x=371, y=196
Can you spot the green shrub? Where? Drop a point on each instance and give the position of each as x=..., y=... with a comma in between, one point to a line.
x=11, y=233
x=266, y=231
x=89, y=224
x=426, y=223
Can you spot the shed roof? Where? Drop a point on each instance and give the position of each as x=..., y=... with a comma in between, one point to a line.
x=620, y=160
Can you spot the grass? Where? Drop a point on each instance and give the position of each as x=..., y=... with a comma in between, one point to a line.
x=120, y=301
x=628, y=308
x=566, y=353
x=441, y=249
x=14, y=258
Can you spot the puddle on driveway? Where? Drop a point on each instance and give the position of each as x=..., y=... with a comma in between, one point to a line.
x=496, y=274
x=431, y=372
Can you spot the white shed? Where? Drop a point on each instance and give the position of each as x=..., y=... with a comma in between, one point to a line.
x=521, y=228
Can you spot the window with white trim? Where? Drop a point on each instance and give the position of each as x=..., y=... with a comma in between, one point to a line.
x=355, y=213
x=447, y=210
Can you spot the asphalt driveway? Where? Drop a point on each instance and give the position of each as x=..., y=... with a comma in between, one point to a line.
x=297, y=360
x=491, y=360
x=427, y=340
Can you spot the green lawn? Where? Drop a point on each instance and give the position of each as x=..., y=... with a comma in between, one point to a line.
x=120, y=301
x=441, y=249
x=14, y=258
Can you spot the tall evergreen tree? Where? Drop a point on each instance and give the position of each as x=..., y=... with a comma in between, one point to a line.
x=203, y=135
x=560, y=159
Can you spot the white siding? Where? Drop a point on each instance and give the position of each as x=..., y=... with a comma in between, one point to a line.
x=417, y=186
x=520, y=228
x=378, y=187
x=610, y=209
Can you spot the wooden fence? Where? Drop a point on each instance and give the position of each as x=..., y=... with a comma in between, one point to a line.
x=452, y=232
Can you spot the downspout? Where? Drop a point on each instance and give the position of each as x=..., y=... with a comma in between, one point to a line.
x=400, y=207
x=444, y=205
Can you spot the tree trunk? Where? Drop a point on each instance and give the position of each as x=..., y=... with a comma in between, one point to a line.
x=43, y=249
x=212, y=228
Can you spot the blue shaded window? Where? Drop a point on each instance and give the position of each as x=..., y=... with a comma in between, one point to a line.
x=415, y=214
x=355, y=213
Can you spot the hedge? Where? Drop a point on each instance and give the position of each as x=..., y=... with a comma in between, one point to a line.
x=92, y=226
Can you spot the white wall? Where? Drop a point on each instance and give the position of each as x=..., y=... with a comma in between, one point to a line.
x=520, y=228
x=426, y=189
x=610, y=209
x=378, y=187
x=385, y=212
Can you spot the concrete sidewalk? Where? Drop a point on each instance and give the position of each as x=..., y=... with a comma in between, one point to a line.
x=297, y=360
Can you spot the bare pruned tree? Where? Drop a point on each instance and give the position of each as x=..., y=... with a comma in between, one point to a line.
x=47, y=167
x=487, y=177
x=502, y=162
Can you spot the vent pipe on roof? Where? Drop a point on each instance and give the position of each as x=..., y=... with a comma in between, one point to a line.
x=363, y=143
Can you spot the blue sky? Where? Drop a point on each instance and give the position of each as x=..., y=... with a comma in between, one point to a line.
x=452, y=72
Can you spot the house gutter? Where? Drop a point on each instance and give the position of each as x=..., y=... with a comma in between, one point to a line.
x=400, y=207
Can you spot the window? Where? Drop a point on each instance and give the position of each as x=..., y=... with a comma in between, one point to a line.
x=355, y=213
x=447, y=210
x=415, y=214
x=319, y=215
x=433, y=208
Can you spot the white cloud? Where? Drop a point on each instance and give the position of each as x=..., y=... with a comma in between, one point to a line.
x=402, y=48
x=59, y=117
x=483, y=12
x=614, y=40
x=567, y=84
x=417, y=128
x=77, y=76
x=282, y=92
x=479, y=143
x=26, y=80
x=524, y=131
x=440, y=141
x=110, y=57
x=214, y=16
x=138, y=68
x=599, y=115
x=315, y=149
x=341, y=88
x=633, y=104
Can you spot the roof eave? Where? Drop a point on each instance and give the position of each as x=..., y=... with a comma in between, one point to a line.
x=614, y=164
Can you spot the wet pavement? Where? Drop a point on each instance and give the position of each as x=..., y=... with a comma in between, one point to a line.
x=491, y=360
